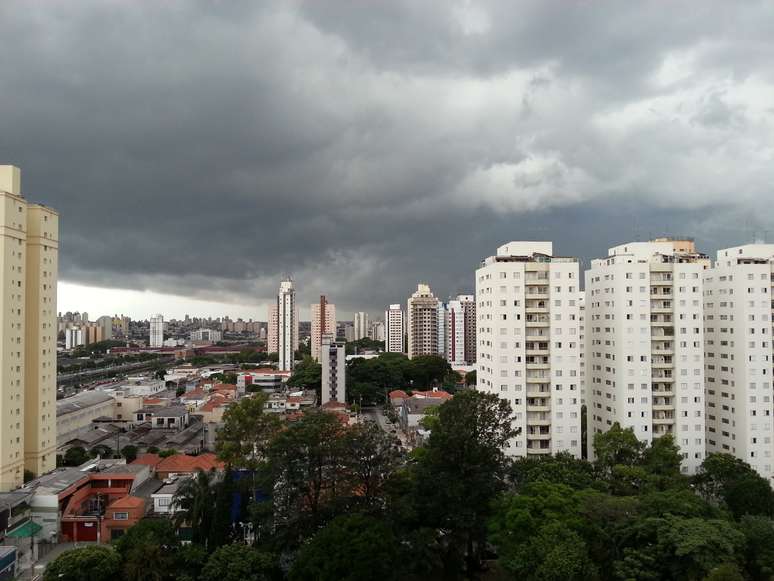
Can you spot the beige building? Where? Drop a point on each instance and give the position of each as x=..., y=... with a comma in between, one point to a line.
x=423, y=323
x=272, y=337
x=323, y=316
x=28, y=327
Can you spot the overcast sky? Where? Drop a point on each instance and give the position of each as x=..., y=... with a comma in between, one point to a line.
x=203, y=149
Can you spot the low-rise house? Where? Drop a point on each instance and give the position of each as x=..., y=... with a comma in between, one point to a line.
x=120, y=515
x=167, y=418
x=179, y=464
x=163, y=498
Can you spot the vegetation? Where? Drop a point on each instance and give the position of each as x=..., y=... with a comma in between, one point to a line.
x=326, y=500
x=98, y=563
x=364, y=344
x=307, y=375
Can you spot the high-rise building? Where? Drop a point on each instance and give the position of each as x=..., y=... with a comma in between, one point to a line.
x=333, y=364
x=211, y=335
x=272, y=331
x=644, y=331
x=738, y=318
x=106, y=323
x=395, y=329
x=376, y=331
x=461, y=330
x=156, y=338
x=323, y=322
x=423, y=325
x=73, y=337
x=287, y=325
x=29, y=243
x=362, y=326
x=529, y=346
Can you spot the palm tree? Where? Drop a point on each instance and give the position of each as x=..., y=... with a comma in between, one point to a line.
x=195, y=504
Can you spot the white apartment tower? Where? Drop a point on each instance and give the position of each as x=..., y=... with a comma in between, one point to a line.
x=156, y=331
x=529, y=346
x=333, y=364
x=461, y=330
x=423, y=326
x=394, y=329
x=645, y=337
x=362, y=326
x=738, y=318
x=287, y=325
x=29, y=243
x=323, y=323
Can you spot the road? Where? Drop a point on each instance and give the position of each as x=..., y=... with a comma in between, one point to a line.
x=375, y=414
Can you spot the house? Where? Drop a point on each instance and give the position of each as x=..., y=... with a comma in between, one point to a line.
x=120, y=515
x=167, y=418
x=164, y=496
x=179, y=464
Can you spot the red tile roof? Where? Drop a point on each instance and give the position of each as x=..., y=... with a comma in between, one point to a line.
x=398, y=393
x=128, y=502
x=439, y=394
x=190, y=464
x=147, y=459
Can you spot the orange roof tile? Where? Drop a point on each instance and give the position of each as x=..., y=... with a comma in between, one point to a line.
x=398, y=393
x=128, y=502
x=147, y=459
x=185, y=463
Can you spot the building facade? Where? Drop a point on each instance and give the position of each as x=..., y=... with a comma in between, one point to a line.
x=156, y=338
x=323, y=315
x=361, y=324
x=333, y=363
x=423, y=326
x=529, y=347
x=394, y=329
x=29, y=243
x=287, y=325
x=461, y=330
x=738, y=318
x=645, y=336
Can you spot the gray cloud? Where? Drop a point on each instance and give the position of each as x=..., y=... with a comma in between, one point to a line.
x=206, y=148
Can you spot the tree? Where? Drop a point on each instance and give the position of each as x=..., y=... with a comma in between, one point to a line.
x=147, y=551
x=349, y=548
x=427, y=370
x=728, y=480
x=470, y=378
x=238, y=562
x=617, y=446
x=465, y=453
x=563, y=468
x=75, y=456
x=97, y=563
x=129, y=452
x=195, y=498
x=662, y=460
x=307, y=374
x=370, y=458
x=759, y=546
x=244, y=437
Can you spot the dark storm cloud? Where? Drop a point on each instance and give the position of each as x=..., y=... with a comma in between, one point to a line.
x=206, y=148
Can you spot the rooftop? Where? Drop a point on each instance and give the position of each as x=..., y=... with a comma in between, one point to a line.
x=80, y=401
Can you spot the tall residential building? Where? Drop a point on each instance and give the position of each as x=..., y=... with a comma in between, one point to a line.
x=323, y=322
x=423, y=325
x=461, y=330
x=287, y=325
x=644, y=330
x=333, y=364
x=73, y=337
x=529, y=348
x=362, y=326
x=156, y=331
x=376, y=331
x=738, y=318
x=272, y=332
x=394, y=329
x=29, y=243
x=106, y=322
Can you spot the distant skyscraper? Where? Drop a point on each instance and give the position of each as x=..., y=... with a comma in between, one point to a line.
x=272, y=332
x=376, y=331
x=644, y=328
x=106, y=323
x=333, y=360
x=287, y=325
x=361, y=325
x=528, y=344
x=423, y=326
x=323, y=323
x=156, y=338
x=461, y=330
x=394, y=329
x=29, y=243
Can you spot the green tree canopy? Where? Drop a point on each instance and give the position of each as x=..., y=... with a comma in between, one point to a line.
x=246, y=432
x=97, y=563
x=237, y=562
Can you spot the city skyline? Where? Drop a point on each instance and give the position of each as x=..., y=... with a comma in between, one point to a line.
x=505, y=128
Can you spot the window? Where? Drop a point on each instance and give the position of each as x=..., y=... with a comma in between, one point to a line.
x=120, y=516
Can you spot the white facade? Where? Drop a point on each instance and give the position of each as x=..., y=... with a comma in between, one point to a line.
x=376, y=331
x=73, y=337
x=738, y=354
x=395, y=329
x=645, y=361
x=287, y=326
x=211, y=335
x=156, y=331
x=529, y=346
x=333, y=363
x=361, y=324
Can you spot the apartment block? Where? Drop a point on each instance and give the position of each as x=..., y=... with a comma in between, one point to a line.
x=738, y=318
x=461, y=330
x=529, y=346
x=361, y=324
x=333, y=364
x=425, y=323
x=29, y=244
x=394, y=329
x=323, y=315
x=644, y=367
x=156, y=338
x=287, y=325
